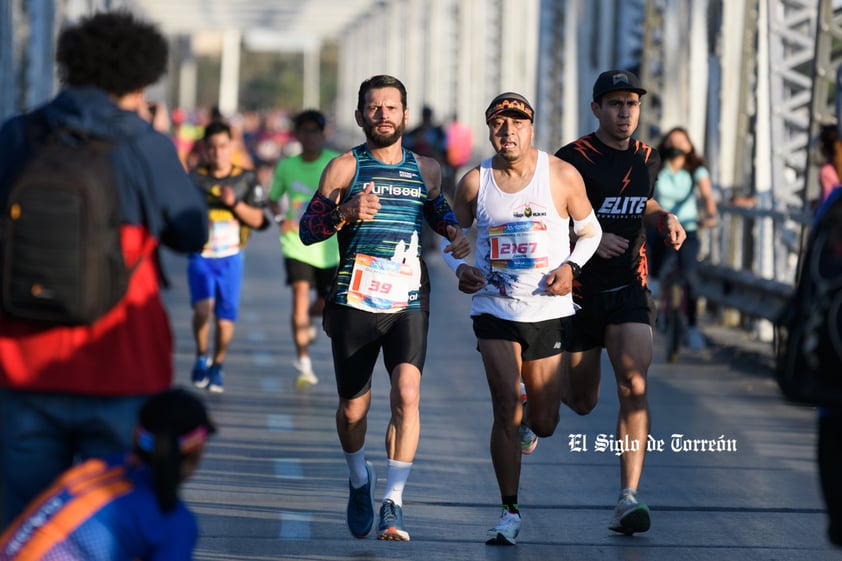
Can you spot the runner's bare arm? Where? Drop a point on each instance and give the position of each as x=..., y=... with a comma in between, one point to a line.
x=470, y=278
x=571, y=200
x=666, y=222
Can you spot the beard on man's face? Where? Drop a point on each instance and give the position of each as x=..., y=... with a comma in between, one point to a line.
x=382, y=140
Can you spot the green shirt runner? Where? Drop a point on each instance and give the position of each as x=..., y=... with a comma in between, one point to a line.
x=299, y=180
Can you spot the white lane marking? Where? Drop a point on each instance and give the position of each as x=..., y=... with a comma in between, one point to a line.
x=270, y=385
x=262, y=358
x=286, y=468
x=279, y=422
x=256, y=336
x=295, y=526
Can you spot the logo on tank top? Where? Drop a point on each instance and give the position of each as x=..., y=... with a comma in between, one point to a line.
x=616, y=207
x=529, y=210
x=396, y=190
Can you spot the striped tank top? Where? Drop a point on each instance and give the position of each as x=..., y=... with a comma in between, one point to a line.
x=380, y=268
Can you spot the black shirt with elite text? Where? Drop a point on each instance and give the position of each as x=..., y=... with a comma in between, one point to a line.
x=618, y=183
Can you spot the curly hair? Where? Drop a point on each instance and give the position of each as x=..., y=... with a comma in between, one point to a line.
x=113, y=51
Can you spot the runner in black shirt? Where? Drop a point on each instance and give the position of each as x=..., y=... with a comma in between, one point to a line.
x=616, y=306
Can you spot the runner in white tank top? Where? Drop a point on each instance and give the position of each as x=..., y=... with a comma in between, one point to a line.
x=520, y=238
x=524, y=201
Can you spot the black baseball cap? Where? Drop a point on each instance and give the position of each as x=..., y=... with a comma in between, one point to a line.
x=512, y=103
x=616, y=81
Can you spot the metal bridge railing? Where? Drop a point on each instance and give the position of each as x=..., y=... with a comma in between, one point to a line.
x=731, y=275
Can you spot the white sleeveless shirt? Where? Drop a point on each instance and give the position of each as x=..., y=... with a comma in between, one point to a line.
x=520, y=238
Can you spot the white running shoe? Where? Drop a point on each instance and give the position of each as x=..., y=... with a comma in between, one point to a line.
x=630, y=515
x=306, y=376
x=528, y=440
x=506, y=530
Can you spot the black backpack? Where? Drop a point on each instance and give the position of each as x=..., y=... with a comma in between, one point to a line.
x=808, y=333
x=61, y=262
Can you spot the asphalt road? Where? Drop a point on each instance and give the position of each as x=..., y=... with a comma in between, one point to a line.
x=273, y=484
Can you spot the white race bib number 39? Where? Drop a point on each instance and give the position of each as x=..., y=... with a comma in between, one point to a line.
x=379, y=285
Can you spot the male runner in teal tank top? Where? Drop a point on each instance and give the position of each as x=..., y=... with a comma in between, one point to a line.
x=375, y=197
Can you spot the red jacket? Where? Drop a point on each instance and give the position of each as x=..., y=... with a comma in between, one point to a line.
x=129, y=350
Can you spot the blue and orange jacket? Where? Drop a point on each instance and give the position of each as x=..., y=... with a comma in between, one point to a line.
x=101, y=510
x=129, y=350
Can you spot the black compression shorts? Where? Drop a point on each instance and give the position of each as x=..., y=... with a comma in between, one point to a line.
x=357, y=336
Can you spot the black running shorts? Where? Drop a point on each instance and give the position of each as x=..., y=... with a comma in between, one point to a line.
x=356, y=338
x=586, y=330
x=538, y=339
x=321, y=279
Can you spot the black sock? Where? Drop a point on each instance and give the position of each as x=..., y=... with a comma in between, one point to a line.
x=510, y=503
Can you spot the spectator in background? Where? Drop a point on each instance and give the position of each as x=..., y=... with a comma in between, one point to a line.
x=126, y=506
x=295, y=182
x=430, y=139
x=682, y=180
x=830, y=149
x=183, y=134
x=460, y=141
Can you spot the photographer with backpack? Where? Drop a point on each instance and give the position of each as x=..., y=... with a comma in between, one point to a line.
x=88, y=191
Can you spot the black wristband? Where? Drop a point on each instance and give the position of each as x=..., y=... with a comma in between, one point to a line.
x=577, y=270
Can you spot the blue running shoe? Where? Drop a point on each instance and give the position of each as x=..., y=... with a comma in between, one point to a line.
x=199, y=376
x=391, y=523
x=361, y=506
x=215, y=378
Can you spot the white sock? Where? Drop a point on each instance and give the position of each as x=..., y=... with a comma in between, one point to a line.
x=396, y=475
x=305, y=363
x=356, y=467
